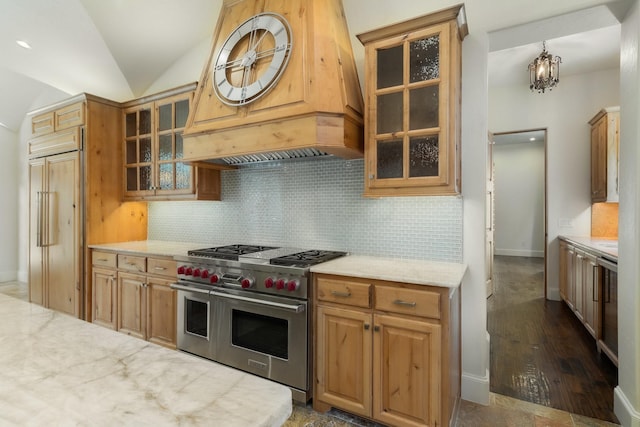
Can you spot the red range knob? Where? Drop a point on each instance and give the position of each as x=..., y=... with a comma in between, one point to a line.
x=181, y=269
x=215, y=278
x=280, y=284
x=197, y=272
x=292, y=285
x=205, y=274
x=246, y=283
x=268, y=282
x=188, y=271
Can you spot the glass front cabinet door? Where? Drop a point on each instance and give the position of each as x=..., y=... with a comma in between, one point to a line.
x=153, y=151
x=412, y=106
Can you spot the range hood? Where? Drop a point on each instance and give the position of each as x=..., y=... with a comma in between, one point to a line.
x=280, y=83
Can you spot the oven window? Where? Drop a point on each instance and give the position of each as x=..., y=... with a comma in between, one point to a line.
x=260, y=333
x=197, y=313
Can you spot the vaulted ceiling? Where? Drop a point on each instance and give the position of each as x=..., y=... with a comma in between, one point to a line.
x=119, y=49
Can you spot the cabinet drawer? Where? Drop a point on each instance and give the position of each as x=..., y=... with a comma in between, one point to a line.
x=132, y=263
x=162, y=267
x=344, y=292
x=103, y=259
x=70, y=116
x=408, y=301
x=42, y=124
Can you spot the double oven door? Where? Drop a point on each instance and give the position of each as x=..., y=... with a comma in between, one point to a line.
x=262, y=334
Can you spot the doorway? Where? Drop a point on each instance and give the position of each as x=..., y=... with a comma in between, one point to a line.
x=539, y=352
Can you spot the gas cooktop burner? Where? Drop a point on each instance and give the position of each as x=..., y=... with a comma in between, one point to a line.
x=230, y=252
x=306, y=258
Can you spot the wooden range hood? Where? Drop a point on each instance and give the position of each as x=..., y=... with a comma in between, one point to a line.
x=314, y=108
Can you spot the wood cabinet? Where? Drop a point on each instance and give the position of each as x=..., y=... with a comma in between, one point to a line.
x=74, y=146
x=605, y=137
x=134, y=295
x=387, y=351
x=412, y=106
x=104, y=284
x=580, y=285
x=153, y=151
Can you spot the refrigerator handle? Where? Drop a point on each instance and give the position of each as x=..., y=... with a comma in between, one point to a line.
x=39, y=219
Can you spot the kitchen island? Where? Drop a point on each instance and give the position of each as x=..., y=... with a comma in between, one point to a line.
x=58, y=370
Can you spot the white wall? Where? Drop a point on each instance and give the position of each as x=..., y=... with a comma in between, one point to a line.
x=565, y=113
x=627, y=395
x=9, y=196
x=519, y=199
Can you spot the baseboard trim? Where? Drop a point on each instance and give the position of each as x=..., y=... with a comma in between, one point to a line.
x=519, y=252
x=7, y=276
x=476, y=389
x=23, y=276
x=624, y=410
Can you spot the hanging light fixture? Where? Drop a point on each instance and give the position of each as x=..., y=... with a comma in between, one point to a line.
x=544, y=71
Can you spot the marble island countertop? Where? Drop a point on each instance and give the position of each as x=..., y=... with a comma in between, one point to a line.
x=58, y=370
x=152, y=247
x=419, y=272
x=607, y=248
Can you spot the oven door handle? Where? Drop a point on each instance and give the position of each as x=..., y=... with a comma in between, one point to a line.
x=295, y=308
x=189, y=288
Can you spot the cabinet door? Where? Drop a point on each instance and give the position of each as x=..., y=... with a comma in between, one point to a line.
x=343, y=359
x=563, y=270
x=104, y=297
x=139, y=151
x=36, y=228
x=599, y=161
x=162, y=307
x=571, y=276
x=173, y=175
x=590, y=294
x=62, y=233
x=406, y=371
x=411, y=115
x=131, y=304
x=578, y=268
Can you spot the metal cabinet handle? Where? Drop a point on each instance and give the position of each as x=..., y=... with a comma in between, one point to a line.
x=39, y=219
x=405, y=303
x=159, y=268
x=376, y=328
x=366, y=326
x=341, y=294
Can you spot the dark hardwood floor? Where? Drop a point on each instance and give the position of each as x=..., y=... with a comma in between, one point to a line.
x=540, y=352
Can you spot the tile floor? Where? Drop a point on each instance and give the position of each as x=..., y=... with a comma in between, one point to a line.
x=502, y=411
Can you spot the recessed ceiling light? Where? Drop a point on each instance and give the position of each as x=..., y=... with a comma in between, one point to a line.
x=532, y=139
x=3, y=125
x=23, y=44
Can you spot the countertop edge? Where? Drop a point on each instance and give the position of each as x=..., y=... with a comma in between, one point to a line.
x=591, y=244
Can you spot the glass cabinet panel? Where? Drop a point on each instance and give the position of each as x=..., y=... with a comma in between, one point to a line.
x=424, y=156
x=424, y=59
x=389, y=113
x=182, y=112
x=424, y=107
x=390, y=159
x=389, y=69
x=164, y=117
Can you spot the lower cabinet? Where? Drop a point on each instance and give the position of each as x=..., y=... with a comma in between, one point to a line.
x=387, y=351
x=580, y=286
x=134, y=296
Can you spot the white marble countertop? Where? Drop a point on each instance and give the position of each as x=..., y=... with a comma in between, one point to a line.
x=58, y=370
x=152, y=247
x=419, y=272
x=600, y=246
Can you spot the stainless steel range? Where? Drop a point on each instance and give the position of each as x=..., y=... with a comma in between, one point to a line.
x=247, y=306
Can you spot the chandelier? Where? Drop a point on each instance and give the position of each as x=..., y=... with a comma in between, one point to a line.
x=544, y=71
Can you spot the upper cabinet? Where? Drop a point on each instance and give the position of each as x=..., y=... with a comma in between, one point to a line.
x=153, y=151
x=412, y=106
x=605, y=141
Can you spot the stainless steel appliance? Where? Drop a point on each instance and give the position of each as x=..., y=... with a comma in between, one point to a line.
x=247, y=306
x=608, y=342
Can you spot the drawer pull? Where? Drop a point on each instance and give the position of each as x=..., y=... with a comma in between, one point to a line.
x=341, y=294
x=404, y=303
x=159, y=268
x=103, y=259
